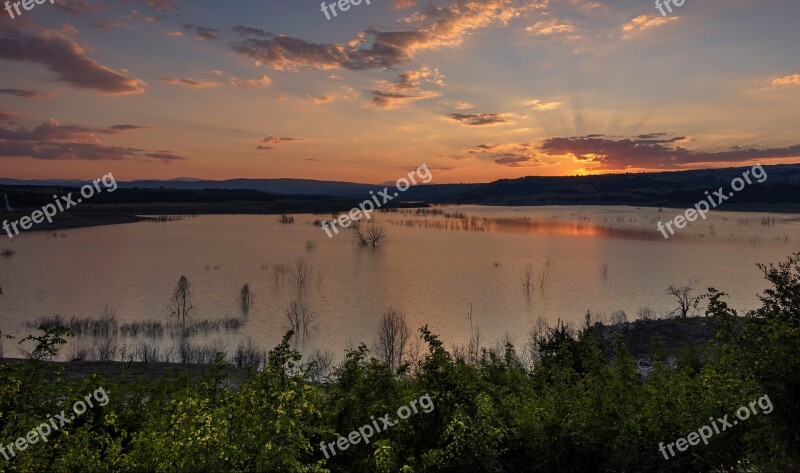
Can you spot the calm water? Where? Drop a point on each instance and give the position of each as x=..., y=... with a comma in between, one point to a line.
x=433, y=268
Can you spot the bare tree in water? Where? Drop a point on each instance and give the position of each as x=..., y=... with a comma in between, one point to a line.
x=392, y=337
x=685, y=300
x=181, y=304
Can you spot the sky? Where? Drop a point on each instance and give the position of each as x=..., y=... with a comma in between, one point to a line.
x=476, y=90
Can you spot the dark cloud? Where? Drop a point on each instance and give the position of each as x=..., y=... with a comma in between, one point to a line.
x=165, y=156
x=54, y=141
x=275, y=140
x=514, y=162
x=272, y=140
x=67, y=60
x=480, y=119
x=372, y=49
x=250, y=31
x=513, y=155
x=28, y=94
x=127, y=127
x=202, y=32
x=652, y=151
x=78, y=151
x=52, y=130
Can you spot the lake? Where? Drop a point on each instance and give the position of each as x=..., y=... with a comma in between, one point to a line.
x=436, y=267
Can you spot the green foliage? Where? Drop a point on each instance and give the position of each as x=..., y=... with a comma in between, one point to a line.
x=582, y=406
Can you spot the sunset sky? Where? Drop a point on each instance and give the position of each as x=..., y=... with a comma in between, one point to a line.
x=477, y=90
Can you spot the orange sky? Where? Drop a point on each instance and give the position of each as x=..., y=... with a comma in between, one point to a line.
x=478, y=90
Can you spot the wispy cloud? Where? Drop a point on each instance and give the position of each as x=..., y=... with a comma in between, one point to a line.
x=541, y=105
x=272, y=141
x=643, y=23
x=480, y=119
x=67, y=60
x=53, y=141
x=391, y=100
x=28, y=94
x=782, y=81
x=198, y=84
x=372, y=49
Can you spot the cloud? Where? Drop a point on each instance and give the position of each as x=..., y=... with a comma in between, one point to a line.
x=53, y=141
x=67, y=60
x=436, y=27
x=480, y=119
x=203, y=32
x=779, y=81
x=645, y=22
x=541, y=105
x=273, y=140
x=199, y=84
x=258, y=83
x=514, y=155
x=411, y=80
x=463, y=106
x=28, y=94
x=391, y=100
x=136, y=15
x=651, y=151
x=250, y=31
x=128, y=127
x=551, y=27
x=515, y=162
x=403, y=4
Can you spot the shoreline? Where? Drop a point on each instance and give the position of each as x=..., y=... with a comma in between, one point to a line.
x=116, y=214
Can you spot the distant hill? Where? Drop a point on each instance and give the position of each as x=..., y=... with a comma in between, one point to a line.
x=782, y=186
x=284, y=186
x=780, y=191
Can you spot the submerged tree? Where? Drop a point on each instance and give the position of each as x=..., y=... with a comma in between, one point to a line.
x=246, y=297
x=527, y=277
x=370, y=235
x=685, y=300
x=181, y=304
x=300, y=317
x=392, y=337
